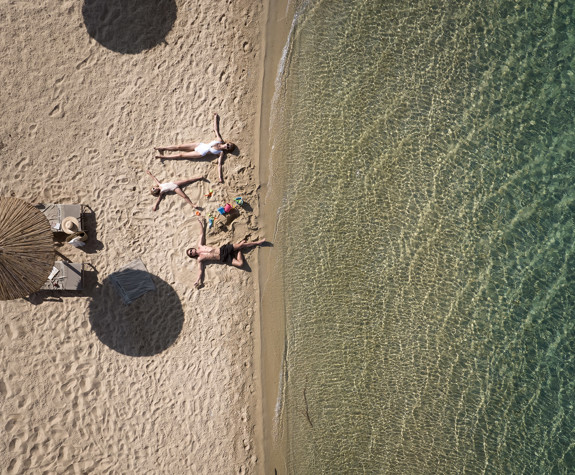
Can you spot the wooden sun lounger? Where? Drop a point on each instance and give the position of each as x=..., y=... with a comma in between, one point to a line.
x=70, y=276
x=57, y=212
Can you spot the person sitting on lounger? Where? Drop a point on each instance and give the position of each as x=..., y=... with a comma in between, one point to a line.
x=195, y=150
x=228, y=253
x=160, y=189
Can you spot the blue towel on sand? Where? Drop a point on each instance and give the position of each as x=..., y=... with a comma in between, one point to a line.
x=132, y=281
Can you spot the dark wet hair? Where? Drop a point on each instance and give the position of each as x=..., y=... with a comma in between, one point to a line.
x=155, y=191
x=231, y=146
x=188, y=251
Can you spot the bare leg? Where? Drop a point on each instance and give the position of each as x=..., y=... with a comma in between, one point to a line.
x=183, y=195
x=238, y=261
x=246, y=245
x=189, y=180
x=220, y=160
x=186, y=147
x=185, y=155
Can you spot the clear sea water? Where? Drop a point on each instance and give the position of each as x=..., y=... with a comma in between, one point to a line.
x=425, y=156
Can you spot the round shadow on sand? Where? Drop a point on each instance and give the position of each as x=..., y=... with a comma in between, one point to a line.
x=129, y=26
x=146, y=327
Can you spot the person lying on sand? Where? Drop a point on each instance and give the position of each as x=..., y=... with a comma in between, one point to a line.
x=160, y=189
x=193, y=150
x=228, y=253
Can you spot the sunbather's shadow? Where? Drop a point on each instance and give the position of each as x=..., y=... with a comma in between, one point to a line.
x=129, y=26
x=246, y=206
x=148, y=326
x=246, y=266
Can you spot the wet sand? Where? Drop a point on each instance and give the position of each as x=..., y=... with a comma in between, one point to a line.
x=272, y=328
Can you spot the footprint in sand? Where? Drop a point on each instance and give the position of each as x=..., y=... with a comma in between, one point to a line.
x=57, y=112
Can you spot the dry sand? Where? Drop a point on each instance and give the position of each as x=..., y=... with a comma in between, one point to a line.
x=167, y=385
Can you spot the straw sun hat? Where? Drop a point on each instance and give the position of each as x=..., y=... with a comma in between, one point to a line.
x=70, y=225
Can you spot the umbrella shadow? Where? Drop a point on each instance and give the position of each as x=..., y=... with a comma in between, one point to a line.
x=146, y=327
x=129, y=26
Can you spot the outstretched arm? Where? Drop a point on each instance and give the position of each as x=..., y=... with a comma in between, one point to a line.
x=155, y=207
x=200, y=280
x=202, y=238
x=217, y=127
x=155, y=179
x=201, y=241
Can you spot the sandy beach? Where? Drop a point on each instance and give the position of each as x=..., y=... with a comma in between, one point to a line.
x=89, y=89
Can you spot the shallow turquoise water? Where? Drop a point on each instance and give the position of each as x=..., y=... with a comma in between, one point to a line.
x=424, y=153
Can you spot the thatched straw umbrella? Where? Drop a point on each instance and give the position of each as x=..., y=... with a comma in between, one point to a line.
x=26, y=249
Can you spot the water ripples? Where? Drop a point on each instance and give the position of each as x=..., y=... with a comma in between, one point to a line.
x=428, y=235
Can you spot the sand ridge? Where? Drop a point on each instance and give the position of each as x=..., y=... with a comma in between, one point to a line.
x=79, y=125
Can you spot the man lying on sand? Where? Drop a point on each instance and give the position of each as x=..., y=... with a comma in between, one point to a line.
x=194, y=150
x=228, y=253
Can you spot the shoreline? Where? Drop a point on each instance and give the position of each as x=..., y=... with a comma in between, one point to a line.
x=257, y=340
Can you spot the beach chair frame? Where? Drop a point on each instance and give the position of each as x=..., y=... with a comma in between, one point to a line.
x=70, y=277
x=56, y=213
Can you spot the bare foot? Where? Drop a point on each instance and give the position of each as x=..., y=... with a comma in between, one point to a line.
x=161, y=157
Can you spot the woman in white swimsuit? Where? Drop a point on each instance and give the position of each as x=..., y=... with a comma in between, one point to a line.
x=160, y=189
x=193, y=150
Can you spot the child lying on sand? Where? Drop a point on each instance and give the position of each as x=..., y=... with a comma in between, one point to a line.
x=160, y=189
